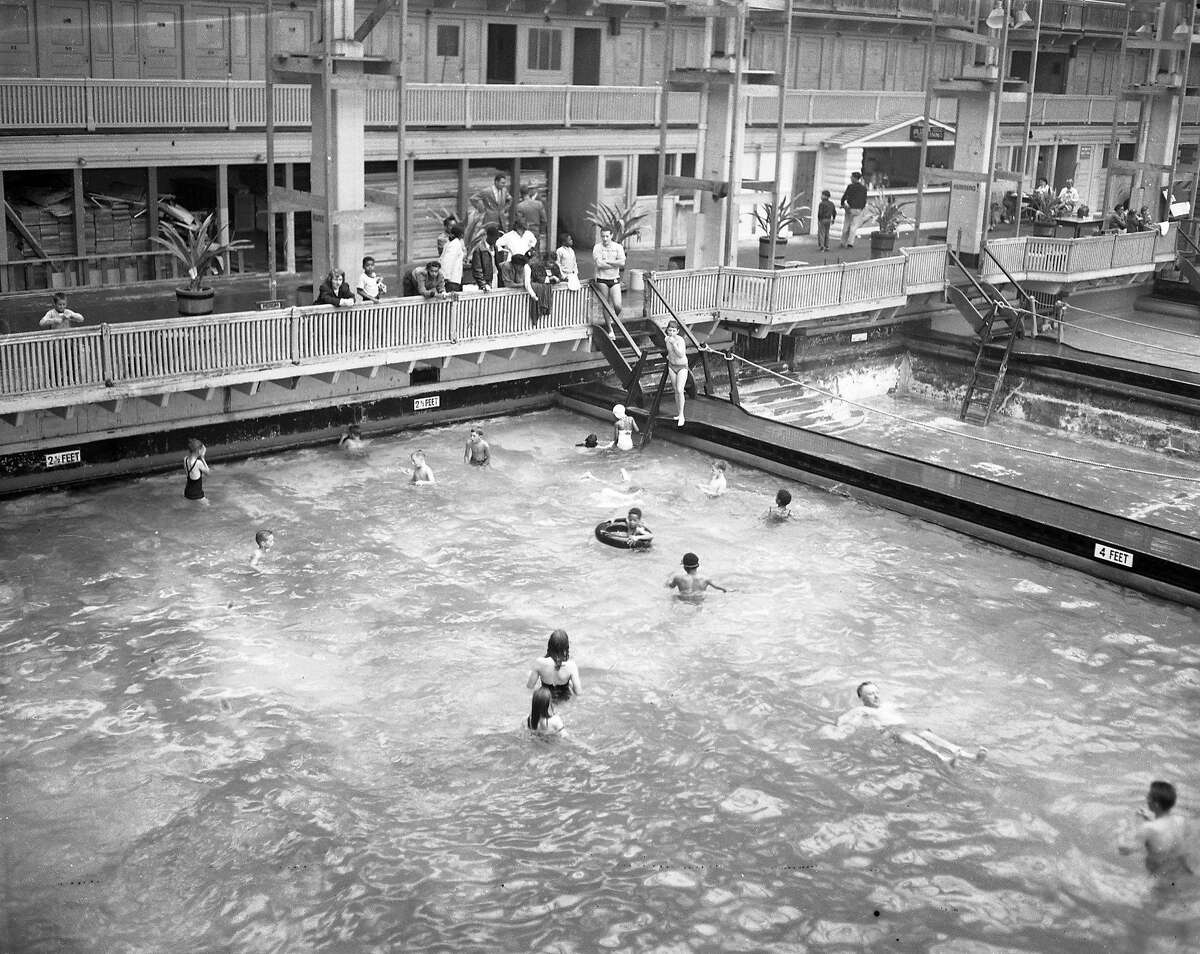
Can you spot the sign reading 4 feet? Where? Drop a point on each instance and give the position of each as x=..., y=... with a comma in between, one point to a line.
x=1113, y=555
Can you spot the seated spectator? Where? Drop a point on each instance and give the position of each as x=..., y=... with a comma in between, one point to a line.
x=426, y=280
x=335, y=290
x=1118, y=219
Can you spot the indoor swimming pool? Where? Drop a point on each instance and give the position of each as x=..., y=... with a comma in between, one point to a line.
x=327, y=755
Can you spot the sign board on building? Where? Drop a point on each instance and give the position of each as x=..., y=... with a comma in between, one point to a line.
x=62, y=458
x=1085, y=153
x=935, y=132
x=427, y=403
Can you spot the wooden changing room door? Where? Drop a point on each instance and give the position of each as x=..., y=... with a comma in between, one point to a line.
x=102, y=39
x=64, y=46
x=161, y=40
x=208, y=42
x=16, y=38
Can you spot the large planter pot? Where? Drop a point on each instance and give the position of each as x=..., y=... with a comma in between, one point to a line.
x=194, y=302
x=882, y=244
x=764, y=252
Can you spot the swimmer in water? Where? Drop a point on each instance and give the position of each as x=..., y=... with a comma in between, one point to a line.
x=624, y=427
x=477, y=453
x=195, y=467
x=555, y=671
x=352, y=441
x=783, y=503
x=689, y=584
x=635, y=530
x=420, y=473
x=716, y=482
x=1164, y=836
x=887, y=719
x=264, y=540
x=542, y=718
x=589, y=442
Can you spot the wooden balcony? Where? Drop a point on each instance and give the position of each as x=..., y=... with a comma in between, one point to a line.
x=37, y=106
x=1063, y=261
x=789, y=298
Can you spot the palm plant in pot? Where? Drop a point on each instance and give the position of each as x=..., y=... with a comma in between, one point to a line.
x=789, y=217
x=1045, y=207
x=197, y=248
x=624, y=221
x=887, y=215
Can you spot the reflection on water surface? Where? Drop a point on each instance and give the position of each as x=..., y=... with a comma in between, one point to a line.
x=197, y=757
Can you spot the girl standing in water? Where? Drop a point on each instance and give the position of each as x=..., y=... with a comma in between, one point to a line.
x=557, y=674
x=542, y=718
x=623, y=428
x=195, y=467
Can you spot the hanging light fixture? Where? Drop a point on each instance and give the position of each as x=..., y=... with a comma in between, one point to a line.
x=995, y=19
x=1022, y=18
x=1182, y=29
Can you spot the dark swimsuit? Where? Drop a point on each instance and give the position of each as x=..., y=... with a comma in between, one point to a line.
x=194, y=488
x=558, y=692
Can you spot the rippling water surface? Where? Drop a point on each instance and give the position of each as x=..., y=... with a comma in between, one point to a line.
x=326, y=756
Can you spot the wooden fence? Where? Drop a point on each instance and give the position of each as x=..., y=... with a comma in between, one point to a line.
x=1033, y=258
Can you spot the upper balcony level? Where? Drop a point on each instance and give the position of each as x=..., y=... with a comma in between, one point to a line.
x=36, y=106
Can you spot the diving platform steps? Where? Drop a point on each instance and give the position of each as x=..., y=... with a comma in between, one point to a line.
x=1125, y=551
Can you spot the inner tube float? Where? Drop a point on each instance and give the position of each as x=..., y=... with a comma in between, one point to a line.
x=614, y=533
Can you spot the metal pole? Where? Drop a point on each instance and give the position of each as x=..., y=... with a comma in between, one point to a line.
x=269, y=92
x=402, y=185
x=326, y=133
x=1122, y=79
x=924, y=156
x=1181, y=92
x=1001, y=69
x=787, y=58
x=735, y=159
x=663, y=103
x=1033, y=64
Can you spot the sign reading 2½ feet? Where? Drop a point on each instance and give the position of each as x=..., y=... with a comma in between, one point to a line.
x=427, y=403
x=1113, y=555
x=62, y=458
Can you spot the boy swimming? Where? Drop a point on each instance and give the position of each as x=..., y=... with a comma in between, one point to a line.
x=264, y=540
x=782, y=508
x=689, y=584
x=716, y=482
x=477, y=453
x=420, y=473
x=352, y=441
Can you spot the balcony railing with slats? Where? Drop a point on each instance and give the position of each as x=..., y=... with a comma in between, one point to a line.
x=1035, y=258
x=38, y=105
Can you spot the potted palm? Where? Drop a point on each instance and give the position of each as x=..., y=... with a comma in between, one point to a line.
x=790, y=219
x=888, y=215
x=1045, y=208
x=624, y=221
x=198, y=250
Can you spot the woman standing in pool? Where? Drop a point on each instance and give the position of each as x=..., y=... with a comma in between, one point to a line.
x=195, y=467
x=623, y=428
x=542, y=718
x=555, y=671
x=677, y=362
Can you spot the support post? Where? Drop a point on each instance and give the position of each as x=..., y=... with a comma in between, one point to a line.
x=223, y=210
x=3, y=238
x=403, y=167
x=152, y=213
x=289, y=227
x=918, y=211
x=787, y=50
x=80, y=233
x=514, y=190
x=552, y=238
x=664, y=100
x=737, y=141
x=269, y=109
x=464, y=186
x=1033, y=65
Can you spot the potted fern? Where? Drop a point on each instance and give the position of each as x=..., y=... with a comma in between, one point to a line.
x=198, y=250
x=888, y=215
x=790, y=218
x=624, y=221
x=1045, y=207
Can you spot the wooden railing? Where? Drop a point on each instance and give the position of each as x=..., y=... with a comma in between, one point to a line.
x=190, y=350
x=115, y=269
x=1034, y=258
x=34, y=105
x=761, y=295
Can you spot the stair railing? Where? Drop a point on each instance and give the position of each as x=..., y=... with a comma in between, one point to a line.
x=1022, y=294
x=614, y=320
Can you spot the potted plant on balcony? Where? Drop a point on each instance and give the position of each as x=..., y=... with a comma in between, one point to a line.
x=1045, y=207
x=198, y=250
x=790, y=219
x=887, y=215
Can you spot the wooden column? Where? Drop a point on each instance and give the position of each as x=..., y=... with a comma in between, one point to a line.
x=289, y=222
x=464, y=188
x=552, y=212
x=3, y=237
x=514, y=190
x=80, y=233
x=152, y=213
x=223, y=210
x=410, y=167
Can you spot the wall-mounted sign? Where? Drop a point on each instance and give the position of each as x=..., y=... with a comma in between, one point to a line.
x=427, y=403
x=62, y=458
x=935, y=132
x=1113, y=555
x=1085, y=152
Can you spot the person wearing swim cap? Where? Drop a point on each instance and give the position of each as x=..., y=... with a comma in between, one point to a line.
x=623, y=428
x=689, y=584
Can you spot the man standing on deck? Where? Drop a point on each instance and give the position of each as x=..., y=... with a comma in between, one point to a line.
x=1163, y=835
x=854, y=201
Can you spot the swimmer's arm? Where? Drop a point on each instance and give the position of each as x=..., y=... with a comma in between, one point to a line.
x=576, y=685
x=715, y=587
x=343, y=440
x=533, y=679
x=202, y=465
x=851, y=716
x=255, y=557
x=1134, y=837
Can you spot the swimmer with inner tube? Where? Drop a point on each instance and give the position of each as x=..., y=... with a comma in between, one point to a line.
x=555, y=671
x=623, y=428
x=690, y=584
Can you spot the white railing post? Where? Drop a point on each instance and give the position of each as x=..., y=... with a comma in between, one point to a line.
x=567, y=101
x=841, y=295
x=229, y=117
x=454, y=319
x=295, y=315
x=89, y=105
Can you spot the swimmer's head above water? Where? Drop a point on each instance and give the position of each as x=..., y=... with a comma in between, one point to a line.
x=783, y=498
x=1161, y=797
x=618, y=411
x=690, y=561
x=868, y=692
x=558, y=647
x=590, y=441
x=265, y=539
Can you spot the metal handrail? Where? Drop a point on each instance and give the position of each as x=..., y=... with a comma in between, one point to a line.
x=1021, y=292
x=615, y=319
x=687, y=332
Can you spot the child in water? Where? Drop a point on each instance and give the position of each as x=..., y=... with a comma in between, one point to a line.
x=264, y=540
x=420, y=473
x=477, y=453
x=716, y=483
x=352, y=441
x=689, y=584
x=783, y=503
x=623, y=428
x=542, y=718
x=635, y=531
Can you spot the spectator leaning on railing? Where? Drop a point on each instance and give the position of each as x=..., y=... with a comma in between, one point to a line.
x=60, y=316
x=334, y=290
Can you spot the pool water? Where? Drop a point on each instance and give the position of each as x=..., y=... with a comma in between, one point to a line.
x=327, y=756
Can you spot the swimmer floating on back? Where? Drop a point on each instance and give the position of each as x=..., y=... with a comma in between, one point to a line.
x=420, y=473
x=555, y=671
x=542, y=718
x=887, y=719
x=477, y=453
x=689, y=584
